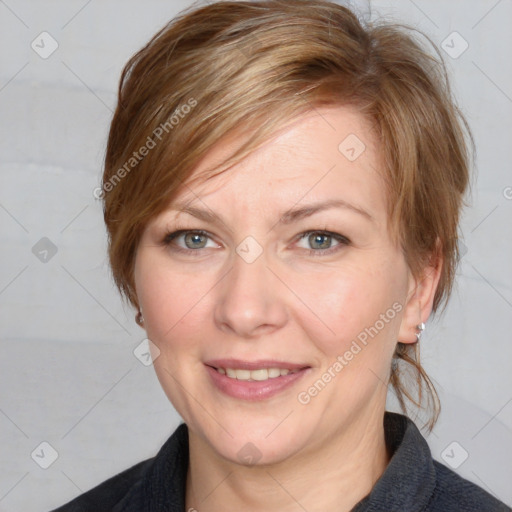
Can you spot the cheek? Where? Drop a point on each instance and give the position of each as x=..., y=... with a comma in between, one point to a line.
x=173, y=301
x=359, y=302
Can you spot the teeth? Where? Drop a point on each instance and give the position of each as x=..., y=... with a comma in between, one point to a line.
x=243, y=374
x=251, y=375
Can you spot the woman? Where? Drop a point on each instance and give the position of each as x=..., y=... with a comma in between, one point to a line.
x=282, y=190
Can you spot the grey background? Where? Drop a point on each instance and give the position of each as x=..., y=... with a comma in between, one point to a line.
x=69, y=376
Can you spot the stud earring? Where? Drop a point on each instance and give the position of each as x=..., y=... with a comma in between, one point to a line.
x=139, y=318
x=420, y=328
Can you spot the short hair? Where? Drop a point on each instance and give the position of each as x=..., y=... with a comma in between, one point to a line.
x=249, y=67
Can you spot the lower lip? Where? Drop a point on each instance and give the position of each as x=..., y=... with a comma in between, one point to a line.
x=254, y=390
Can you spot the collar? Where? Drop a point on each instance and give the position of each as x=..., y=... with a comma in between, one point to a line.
x=409, y=480
x=407, y=483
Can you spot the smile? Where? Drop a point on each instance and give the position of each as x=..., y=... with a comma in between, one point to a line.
x=255, y=375
x=256, y=382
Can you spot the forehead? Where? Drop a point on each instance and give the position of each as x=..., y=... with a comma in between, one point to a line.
x=326, y=153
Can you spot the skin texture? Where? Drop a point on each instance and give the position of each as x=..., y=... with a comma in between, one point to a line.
x=289, y=305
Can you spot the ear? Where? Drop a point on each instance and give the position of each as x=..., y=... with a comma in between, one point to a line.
x=420, y=298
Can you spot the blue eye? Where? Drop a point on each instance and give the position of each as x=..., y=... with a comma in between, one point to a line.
x=194, y=240
x=323, y=240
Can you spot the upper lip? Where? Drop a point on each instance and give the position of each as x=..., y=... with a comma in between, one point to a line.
x=254, y=365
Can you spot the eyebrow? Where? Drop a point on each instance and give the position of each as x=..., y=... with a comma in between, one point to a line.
x=287, y=217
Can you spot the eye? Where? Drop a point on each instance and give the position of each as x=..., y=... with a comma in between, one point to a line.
x=321, y=241
x=193, y=240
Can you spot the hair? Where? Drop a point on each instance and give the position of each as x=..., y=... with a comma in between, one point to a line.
x=249, y=67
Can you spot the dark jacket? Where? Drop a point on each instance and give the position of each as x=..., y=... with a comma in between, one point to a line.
x=412, y=481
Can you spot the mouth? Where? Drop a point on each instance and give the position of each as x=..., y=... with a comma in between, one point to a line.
x=255, y=370
x=254, y=380
x=259, y=374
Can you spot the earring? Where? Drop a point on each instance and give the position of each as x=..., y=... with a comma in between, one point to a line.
x=139, y=318
x=420, y=328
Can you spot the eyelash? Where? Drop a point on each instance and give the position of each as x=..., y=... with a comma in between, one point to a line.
x=343, y=241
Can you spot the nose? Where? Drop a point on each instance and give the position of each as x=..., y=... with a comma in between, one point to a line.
x=250, y=302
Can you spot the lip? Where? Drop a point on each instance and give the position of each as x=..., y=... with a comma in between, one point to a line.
x=254, y=390
x=239, y=364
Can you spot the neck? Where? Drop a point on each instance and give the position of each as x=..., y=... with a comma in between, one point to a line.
x=333, y=475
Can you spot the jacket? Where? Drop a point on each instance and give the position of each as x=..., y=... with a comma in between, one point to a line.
x=412, y=481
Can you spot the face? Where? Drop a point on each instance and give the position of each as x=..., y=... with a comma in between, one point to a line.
x=322, y=291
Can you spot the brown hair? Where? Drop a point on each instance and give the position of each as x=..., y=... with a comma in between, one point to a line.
x=250, y=67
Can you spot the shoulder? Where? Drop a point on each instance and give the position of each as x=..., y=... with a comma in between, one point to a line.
x=105, y=496
x=137, y=487
x=414, y=481
x=454, y=493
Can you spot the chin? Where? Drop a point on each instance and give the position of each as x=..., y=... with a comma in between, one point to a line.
x=258, y=442
x=259, y=453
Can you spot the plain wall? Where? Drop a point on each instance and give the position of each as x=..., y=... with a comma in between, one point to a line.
x=68, y=373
